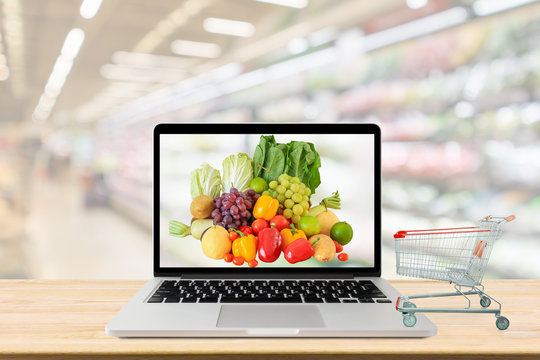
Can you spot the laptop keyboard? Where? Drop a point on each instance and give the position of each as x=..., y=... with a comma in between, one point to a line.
x=268, y=291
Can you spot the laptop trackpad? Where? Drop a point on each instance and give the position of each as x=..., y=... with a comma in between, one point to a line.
x=270, y=316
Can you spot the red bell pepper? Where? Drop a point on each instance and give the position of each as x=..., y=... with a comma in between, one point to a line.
x=298, y=250
x=246, y=230
x=280, y=222
x=269, y=244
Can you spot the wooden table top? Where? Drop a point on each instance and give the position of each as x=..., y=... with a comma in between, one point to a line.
x=66, y=319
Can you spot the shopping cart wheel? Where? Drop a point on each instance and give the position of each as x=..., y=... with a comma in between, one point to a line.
x=485, y=301
x=502, y=323
x=409, y=320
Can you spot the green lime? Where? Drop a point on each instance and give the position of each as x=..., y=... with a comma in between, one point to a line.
x=341, y=232
x=309, y=224
x=258, y=184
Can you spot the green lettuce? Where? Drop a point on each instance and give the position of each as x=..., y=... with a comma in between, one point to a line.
x=205, y=181
x=296, y=158
x=237, y=172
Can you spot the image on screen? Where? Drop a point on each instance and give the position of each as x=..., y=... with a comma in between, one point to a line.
x=270, y=200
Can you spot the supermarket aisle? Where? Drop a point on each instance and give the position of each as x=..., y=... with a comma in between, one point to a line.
x=67, y=240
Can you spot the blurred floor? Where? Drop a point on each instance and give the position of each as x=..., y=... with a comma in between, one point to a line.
x=66, y=240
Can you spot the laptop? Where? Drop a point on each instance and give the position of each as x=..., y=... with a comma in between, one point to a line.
x=261, y=258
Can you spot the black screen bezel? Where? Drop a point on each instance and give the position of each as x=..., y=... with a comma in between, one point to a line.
x=267, y=128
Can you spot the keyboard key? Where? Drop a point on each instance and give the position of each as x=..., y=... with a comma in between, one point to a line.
x=191, y=299
x=349, y=301
x=209, y=299
x=155, y=299
x=312, y=299
x=172, y=299
x=331, y=300
x=386, y=301
x=366, y=300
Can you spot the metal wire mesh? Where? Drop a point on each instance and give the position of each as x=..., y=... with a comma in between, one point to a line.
x=458, y=255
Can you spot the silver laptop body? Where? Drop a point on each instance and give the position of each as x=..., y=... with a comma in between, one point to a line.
x=375, y=317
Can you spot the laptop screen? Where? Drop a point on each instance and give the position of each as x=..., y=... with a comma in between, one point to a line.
x=266, y=200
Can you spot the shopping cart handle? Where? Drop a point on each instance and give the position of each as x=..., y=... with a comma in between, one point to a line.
x=397, y=301
x=510, y=218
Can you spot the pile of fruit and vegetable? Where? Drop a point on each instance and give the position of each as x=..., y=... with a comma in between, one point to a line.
x=259, y=208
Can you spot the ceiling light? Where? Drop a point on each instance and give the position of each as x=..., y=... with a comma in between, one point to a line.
x=298, y=4
x=126, y=73
x=323, y=36
x=149, y=60
x=72, y=44
x=297, y=45
x=412, y=29
x=416, y=4
x=229, y=27
x=195, y=48
x=89, y=8
x=485, y=7
x=4, y=73
x=14, y=41
x=165, y=27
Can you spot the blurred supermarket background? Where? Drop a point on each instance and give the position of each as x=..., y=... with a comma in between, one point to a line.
x=455, y=86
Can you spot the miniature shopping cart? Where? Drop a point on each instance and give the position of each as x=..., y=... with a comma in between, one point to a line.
x=458, y=255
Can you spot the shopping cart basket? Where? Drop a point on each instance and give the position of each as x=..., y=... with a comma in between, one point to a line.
x=457, y=255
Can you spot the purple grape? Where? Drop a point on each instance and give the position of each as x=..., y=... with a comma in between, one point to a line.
x=233, y=191
x=232, y=198
x=251, y=192
x=246, y=214
x=241, y=207
x=219, y=218
x=216, y=213
x=236, y=216
x=239, y=201
x=218, y=202
x=237, y=223
x=234, y=209
x=248, y=204
x=225, y=213
x=227, y=219
x=227, y=204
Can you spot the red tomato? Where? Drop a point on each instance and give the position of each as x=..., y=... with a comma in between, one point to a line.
x=229, y=257
x=246, y=230
x=339, y=247
x=238, y=260
x=258, y=225
x=233, y=235
x=343, y=257
x=253, y=263
x=280, y=222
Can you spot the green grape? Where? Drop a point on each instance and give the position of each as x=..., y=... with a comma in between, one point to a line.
x=305, y=198
x=296, y=198
x=295, y=180
x=283, y=177
x=288, y=213
x=281, y=198
x=289, y=193
x=300, y=191
x=305, y=213
x=307, y=191
x=289, y=203
x=285, y=183
x=266, y=193
x=281, y=189
x=304, y=204
x=297, y=209
x=296, y=218
x=273, y=184
x=295, y=187
x=273, y=193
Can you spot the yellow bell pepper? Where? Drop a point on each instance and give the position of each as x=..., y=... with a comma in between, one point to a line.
x=245, y=246
x=289, y=235
x=265, y=208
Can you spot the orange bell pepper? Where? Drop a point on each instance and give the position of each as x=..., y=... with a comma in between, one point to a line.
x=289, y=235
x=265, y=208
x=245, y=246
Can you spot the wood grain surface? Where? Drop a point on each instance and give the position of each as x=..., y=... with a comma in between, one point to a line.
x=66, y=320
